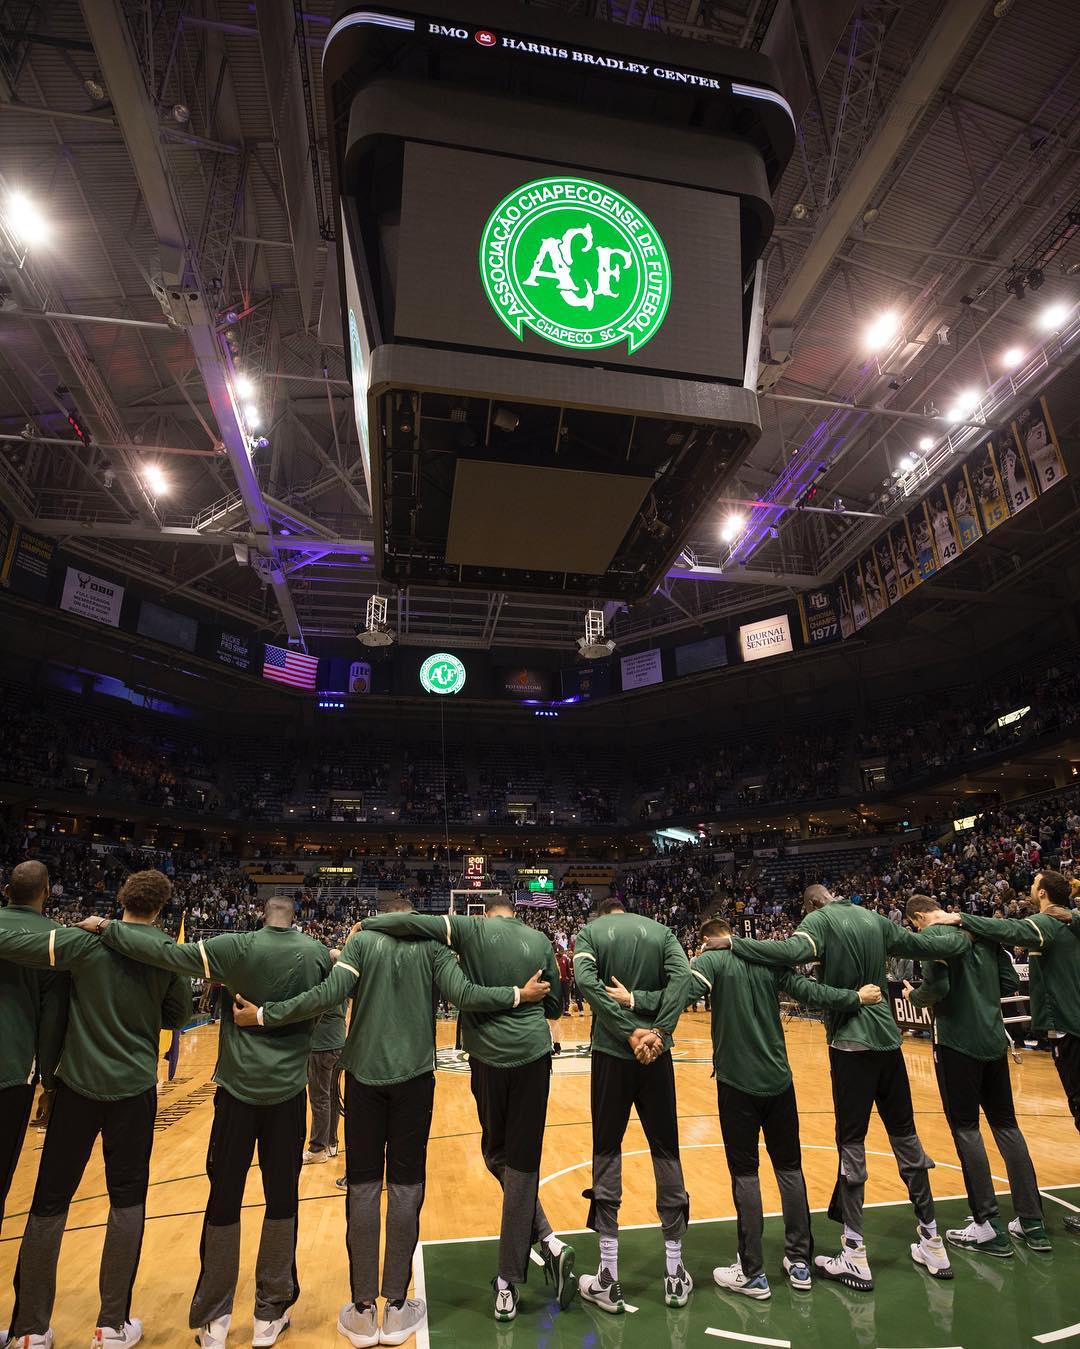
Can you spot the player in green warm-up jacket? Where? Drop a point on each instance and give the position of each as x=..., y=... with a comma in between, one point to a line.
x=510, y=1062
x=627, y=949
x=388, y=1060
x=972, y=1067
x=755, y=1095
x=108, y=1086
x=1054, y=947
x=261, y=1100
x=852, y=945
x=33, y=1018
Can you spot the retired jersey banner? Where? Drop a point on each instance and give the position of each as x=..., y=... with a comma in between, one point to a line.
x=860, y=615
x=843, y=604
x=943, y=526
x=1033, y=430
x=872, y=587
x=922, y=541
x=989, y=493
x=1015, y=474
x=962, y=500
x=820, y=614
x=907, y=578
x=886, y=566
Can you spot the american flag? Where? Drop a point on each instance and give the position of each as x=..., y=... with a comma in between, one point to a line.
x=524, y=900
x=290, y=667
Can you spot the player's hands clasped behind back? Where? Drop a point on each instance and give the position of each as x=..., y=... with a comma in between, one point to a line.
x=536, y=989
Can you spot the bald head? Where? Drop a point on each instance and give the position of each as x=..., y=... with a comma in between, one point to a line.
x=29, y=885
x=815, y=897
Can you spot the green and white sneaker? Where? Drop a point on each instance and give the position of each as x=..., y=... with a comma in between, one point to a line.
x=970, y=1238
x=559, y=1272
x=1034, y=1234
x=506, y=1301
x=677, y=1288
x=602, y=1291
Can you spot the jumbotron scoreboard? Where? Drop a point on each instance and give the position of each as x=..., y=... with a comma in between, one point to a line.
x=549, y=241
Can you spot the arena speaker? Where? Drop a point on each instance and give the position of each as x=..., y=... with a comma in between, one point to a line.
x=550, y=240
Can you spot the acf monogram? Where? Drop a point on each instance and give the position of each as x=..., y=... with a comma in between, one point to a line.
x=442, y=673
x=577, y=263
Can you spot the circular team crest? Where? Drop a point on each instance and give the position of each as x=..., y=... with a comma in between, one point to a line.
x=442, y=674
x=577, y=263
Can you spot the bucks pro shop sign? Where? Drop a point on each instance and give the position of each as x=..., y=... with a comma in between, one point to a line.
x=577, y=263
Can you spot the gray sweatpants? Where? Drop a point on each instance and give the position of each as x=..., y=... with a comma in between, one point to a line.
x=323, y=1085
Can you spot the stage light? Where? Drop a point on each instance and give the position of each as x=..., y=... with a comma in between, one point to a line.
x=25, y=221
x=1013, y=356
x=243, y=386
x=968, y=399
x=883, y=329
x=1053, y=316
x=732, y=527
x=251, y=416
x=926, y=443
x=907, y=463
x=155, y=479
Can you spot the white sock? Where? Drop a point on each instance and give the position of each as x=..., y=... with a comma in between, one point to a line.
x=851, y=1235
x=609, y=1255
x=501, y=1284
x=553, y=1244
x=673, y=1253
x=928, y=1229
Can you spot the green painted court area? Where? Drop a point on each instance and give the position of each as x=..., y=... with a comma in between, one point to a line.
x=991, y=1302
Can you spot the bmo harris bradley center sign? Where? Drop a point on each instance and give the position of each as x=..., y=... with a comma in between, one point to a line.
x=770, y=637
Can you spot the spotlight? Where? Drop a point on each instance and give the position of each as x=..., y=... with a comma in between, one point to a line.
x=251, y=416
x=907, y=463
x=24, y=220
x=1035, y=278
x=1053, y=317
x=799, y=211
x=1012, y=357
x=260, y=443
x=505, y=419
x=181, y=113
x=883, y=329
x=243, y=386
x=95, y=87
x=926, y=443
x=870, y=215
x=732, y=527
x=155, y=479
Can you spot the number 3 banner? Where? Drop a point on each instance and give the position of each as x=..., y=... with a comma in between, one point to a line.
x=1034, y=437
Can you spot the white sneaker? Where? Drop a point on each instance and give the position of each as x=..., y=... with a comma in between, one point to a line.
x=33, y=1341
x=361, y=1329
x=322, y=1155
x=850, y=1267
x=214, y=1334
x=401, y=1323
x=602, y=1291
x=677, y=1288
x=732, y=1280
x=506, y=1301
x=930, y=1252
x=798, y=1272
x=268, y=1332
x=129, y=1333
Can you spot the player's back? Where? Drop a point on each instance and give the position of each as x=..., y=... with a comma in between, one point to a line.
x=630, y=948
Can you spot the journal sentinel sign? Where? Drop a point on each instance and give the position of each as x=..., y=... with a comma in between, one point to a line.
x=771, y=637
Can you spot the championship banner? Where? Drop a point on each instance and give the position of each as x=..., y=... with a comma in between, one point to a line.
x=886, y=566
x=943, y=526
x=907, y=578
x=819, y=611
x=860, y=615
x=962, y=500
x=989, y=493
x=25, y=564
x=1034, y=431
x=872, y=586
x=922, y=541
x=1015, y=474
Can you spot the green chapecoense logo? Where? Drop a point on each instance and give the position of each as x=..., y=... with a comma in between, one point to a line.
x=577, y=263
x=442, y=674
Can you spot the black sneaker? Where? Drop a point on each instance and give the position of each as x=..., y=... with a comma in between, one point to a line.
x=559, y=1272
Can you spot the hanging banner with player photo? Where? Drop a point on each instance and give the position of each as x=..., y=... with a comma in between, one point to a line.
x=872, y=587
x=843, y=604
x=922, y=541
x=943, y=526
x=886, y=566
x=986, y=480
x=1015, y=474
x=820, y=614
x=860, y=615
x=962, y=500
x=1033, y=430
x=907, y=578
